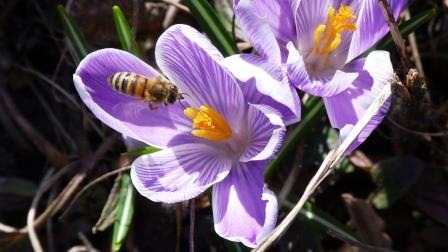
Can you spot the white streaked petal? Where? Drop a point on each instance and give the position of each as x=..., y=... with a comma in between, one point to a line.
x=179, y=173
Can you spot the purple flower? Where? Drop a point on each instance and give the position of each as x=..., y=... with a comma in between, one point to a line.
x=318, y=43
x=223, y=134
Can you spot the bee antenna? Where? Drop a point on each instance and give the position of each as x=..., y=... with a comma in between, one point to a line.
x=182, y=104
x=185, y=94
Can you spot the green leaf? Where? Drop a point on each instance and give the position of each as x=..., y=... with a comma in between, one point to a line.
x=407, y=27
x=234, y=246
x=109, y=212
x=212, y=26
x=77, y=41
x=125, y=32
x=125, y=212
x=141, y=151
x=315, y=215
x=313, y=112
x=17, y=187
x=394, y=177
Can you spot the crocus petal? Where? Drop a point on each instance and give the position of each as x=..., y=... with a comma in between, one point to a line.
x=244, y=210
x=193, y=64
x=265, y=133
x=257, y=28
x=345, y=109
x=371, y=25
x=263, y=19
x=263, y=82
x=295, y=67
x=299, y=77
x=308, y=15
x=179, y=173
x=126, y=114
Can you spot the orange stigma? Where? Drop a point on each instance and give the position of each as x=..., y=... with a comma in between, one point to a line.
x=208, y=123
x=327, y=37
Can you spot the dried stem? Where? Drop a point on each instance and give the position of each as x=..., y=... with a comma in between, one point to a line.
x=178, y=226
x=177, y=5
x=293, y=175
x=57, y=124
x=48, y=184
x=426, y=135
x=35, y=243
x=8, y=229
x=357, y=243
x=396, y=35
x=170, y=14
x=325, y=169
x=192, y=217
x=89, y=185
x=74, y=183
x=414, y=48
x=66, y=94
x=49, y=224
x=53, y=156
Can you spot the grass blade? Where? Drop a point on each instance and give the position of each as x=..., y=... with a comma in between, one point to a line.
x=141, y=151
x=124, y=31
x=78, y=43
x=125, y=212
x=212, y=26
x=315, y=215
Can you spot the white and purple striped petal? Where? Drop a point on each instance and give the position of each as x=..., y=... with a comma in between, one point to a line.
x=179, y=173
x=193, y=63
x=244, y=210
x=269, y=26
x=265, y=134
x=345, y=109
x=256, y=26
x=263, y=82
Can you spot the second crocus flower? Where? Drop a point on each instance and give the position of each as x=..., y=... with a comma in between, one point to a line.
x=317, y=43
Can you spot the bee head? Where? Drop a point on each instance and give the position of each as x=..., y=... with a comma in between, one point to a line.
x=174, y=95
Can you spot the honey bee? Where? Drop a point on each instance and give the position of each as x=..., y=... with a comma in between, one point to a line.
x=151, y=90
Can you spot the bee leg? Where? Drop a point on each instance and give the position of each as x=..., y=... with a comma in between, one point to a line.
x=152, y=106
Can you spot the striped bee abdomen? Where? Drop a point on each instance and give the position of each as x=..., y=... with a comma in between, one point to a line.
x=128, y=83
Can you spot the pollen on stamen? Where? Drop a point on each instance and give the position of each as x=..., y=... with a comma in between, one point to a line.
x=208, y=123
x=327, y=38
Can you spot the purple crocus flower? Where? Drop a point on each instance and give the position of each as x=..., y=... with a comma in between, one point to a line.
x=317, y=43
x=222, y=135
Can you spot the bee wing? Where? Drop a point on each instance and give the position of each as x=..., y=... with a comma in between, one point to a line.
x=133, y=108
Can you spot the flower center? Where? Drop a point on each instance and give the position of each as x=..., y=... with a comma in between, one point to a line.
x=208, y=123
x=327, y=37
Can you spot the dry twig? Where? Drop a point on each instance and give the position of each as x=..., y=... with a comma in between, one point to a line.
x=89, y=185
x=53, y=155
x=293, y=175
x=396, y=36
x=192, y=217
x=35, y=243
x=414, y=48
x=170, y=14
x=177, y=5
